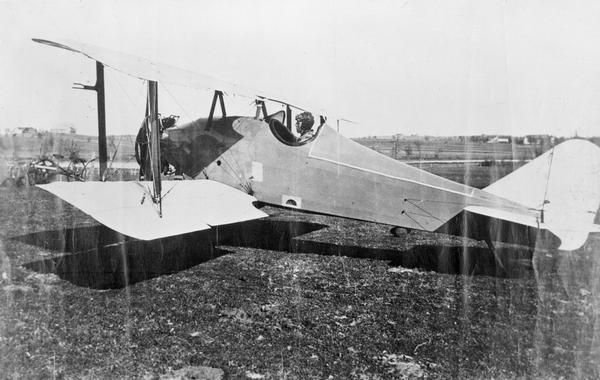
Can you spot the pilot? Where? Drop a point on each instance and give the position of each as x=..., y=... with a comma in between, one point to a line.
x=304, y=124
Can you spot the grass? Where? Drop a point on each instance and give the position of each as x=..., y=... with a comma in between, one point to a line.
x=478, y=175
x=309, y=314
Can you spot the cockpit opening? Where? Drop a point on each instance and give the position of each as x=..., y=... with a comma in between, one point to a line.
x=301, y=133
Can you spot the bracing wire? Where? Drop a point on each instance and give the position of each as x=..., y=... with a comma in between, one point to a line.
x=414, y=220
x=424, y=210
x=233, y=172
x=417, y=214
x=239, y=176
x=116, y=78
x=547, y=182
x=176, y=102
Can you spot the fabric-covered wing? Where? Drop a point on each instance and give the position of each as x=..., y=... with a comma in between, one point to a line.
x=188, y=206
x=144, y=69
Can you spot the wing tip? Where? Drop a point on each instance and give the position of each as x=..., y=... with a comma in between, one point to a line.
x=55, y=44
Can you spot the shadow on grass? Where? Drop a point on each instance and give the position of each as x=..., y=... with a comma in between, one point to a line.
x=100, y=258
x=515, y=262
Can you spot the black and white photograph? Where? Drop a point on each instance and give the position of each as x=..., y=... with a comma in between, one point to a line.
x=302, y=189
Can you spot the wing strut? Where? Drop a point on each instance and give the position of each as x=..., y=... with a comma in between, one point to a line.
x=99, y=88
x=260, y=107
x=154, y=143
x=218, y=95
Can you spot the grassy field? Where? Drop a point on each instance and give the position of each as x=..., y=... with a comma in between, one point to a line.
x=47, y=144
x=478, y=175
x=296, y=296
x=451, y=149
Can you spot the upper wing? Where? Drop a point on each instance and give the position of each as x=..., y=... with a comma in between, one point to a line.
x=188, y=206
x=144, y=69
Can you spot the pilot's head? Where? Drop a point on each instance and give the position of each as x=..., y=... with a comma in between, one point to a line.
x=304, y=122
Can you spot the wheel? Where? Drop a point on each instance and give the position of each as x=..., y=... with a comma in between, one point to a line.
x=399, y=231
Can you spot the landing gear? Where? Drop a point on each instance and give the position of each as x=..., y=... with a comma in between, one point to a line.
x=400, y=231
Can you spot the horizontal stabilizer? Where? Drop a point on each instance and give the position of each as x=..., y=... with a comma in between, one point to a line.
x=572, y=234
x=187, y=206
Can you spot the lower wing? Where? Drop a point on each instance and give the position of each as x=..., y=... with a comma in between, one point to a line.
x=187, y=206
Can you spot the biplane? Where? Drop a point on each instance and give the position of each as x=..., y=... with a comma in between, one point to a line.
x=235, y=164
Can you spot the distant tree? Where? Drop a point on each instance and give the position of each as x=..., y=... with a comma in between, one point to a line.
x=45, y=145
x=408, y=149
x=112, y=146
x=50, y=140
x=538, y=148
x=16, y=146
x=395, y=148
x=70, y=149
x=419, y=145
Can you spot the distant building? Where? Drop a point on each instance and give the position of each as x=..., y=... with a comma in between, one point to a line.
x=499, y=140
x=26, y=131
x=540, y=139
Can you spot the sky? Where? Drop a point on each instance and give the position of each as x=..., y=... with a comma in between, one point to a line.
x=451, y=67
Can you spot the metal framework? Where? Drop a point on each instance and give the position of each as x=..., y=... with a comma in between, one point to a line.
x=260, y=108
x=218, y=95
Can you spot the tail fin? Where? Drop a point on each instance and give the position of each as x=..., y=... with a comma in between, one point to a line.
x=564, y=185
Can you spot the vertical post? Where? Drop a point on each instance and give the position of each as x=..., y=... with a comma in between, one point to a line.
x=154, y=143
x=288, y=110
x=218, y=94
x=222, y=102
x=102, y=149
x=99, y=88
x=260, y=107
x=264, y=109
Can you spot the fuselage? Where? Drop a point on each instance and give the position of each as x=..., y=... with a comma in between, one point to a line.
x=329, y=174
